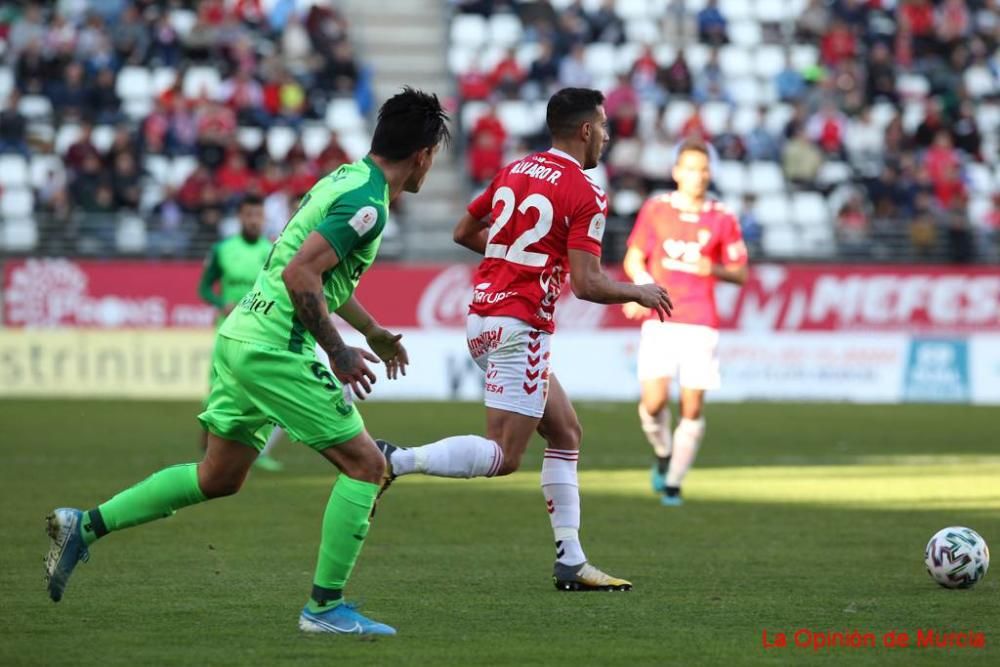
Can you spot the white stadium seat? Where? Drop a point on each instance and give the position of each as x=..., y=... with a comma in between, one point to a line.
x=745, y=91
x=16, y=202
x=469, y=30
x=804, y=55
x=665, y=54
x=137, y=109
x=978, y=209
x=772, y=210
x=280, y=140
x=980, y=82
x=677, y=113
x=809, y=209
x=342, y=115
x=13, y=172
x=715, y=115
x=625, y=57
x=505, y=30
x=355, y=144
x=912, y=86
x=818, y=241
x=134, y=83
x=66, y=136
x=777, y=117
x=6, y=83
x=633, y=10
x=834, y=173
x=472, y=112
x=768, y=61
x=656, y=160
x=182, y=20
x=42, y=166
x=642, y=31
x=980, y=178
x=744, y=120
x=765, y=178
x=250, y=138
x=158, y=168
x=519, y=118
x=181, y=167
x=696, y=56
x=130, y=234
x=460, y=59
x=163, y=79
x=35, y=107
x=735, y=61
x=626, y=203
x=18, y=234
x=599, y=58
x=730, y=177
x=745, y=33
x=781, y=241
x=200, y=81
x=314, y=139
x=772, y=11
x=102, y=137
x=735, y=10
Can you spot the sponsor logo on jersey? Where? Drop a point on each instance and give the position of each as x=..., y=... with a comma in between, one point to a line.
x=254, y=302
x=483, y=296
x=485, y=342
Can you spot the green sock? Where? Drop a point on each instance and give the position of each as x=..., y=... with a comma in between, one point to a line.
x=156, y=497
x=345, y=526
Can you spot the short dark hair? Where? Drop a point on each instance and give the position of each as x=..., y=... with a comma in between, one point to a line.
x=569, y=108
x=695, y=145
x=408, y=122
x=251, y=200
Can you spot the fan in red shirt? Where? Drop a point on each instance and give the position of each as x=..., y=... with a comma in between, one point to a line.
x=689, y=242
x=540, y=218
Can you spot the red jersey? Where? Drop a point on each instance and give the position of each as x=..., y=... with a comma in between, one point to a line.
x=674, y=242
x=540, y=208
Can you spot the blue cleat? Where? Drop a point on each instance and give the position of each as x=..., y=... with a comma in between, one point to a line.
x=342, y=620
x=658, y=480
x=671, y=496
x=67, y=549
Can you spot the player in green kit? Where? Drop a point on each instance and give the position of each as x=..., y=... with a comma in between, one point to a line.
x=265, y=369
x=233, y=264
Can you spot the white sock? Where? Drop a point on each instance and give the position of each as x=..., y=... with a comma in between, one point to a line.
x=562, y=500
x=657, y=430
x=687, y=439
x=458, y=456
x=272, y=440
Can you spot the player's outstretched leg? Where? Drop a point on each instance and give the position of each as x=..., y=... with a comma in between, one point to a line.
x=561, y=430
x=345, y=527
x=158, y=496
x=461, y=456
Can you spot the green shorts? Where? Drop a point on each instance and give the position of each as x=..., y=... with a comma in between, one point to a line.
x=255, y=386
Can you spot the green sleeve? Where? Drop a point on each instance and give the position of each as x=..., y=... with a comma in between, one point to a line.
x=210, y=275
x=351, y=222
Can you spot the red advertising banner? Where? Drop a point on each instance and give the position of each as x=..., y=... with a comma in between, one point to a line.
x=68, y=293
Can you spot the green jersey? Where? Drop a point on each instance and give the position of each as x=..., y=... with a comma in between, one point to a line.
x=349, y=208
x=233, y=263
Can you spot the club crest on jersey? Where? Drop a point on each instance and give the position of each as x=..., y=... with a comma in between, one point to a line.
x=363, y=221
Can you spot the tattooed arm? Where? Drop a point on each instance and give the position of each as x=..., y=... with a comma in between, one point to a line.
x=303, y=278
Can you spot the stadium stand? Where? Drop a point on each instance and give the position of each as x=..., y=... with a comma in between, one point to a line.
x=861, y=129
x=134, y=127
x=844, y=129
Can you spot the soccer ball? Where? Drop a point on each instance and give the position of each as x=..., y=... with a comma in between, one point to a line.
x=957, y=557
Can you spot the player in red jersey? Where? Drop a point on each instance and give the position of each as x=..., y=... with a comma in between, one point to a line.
x=689, y=242
x=541, y=218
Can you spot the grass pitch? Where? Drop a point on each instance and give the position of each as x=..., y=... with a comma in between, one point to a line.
x=798, y=516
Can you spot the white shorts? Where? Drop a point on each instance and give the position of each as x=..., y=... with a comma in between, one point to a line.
x=515, y=357
x=688, y=352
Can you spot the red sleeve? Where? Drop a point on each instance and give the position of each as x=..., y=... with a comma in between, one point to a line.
x=734, y=251
x=642, y=236
x=481, y=206
x=589, y=220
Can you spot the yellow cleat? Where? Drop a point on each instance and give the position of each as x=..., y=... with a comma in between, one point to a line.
x=586, y=577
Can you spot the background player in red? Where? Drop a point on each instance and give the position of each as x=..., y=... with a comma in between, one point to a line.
x=687, y=241
x=540, y=218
